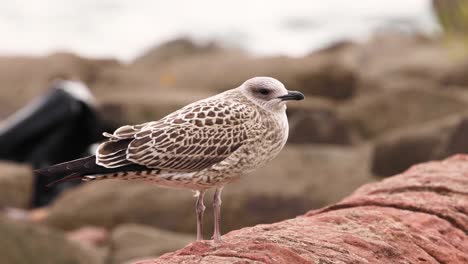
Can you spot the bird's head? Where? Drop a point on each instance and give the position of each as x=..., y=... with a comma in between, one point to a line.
x=269, y=93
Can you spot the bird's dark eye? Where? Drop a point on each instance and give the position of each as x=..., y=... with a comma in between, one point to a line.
x=264, y=91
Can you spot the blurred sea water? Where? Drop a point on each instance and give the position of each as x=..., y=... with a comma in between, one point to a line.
x=124, y=29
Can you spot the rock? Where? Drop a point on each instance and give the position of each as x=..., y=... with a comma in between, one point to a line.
x=111, y=203
x=420, y=216
x=397, y=151
x=391, y=57
x=403, y=148
x=16, y=182
x=174, y=50
x=26, y=243
x=38, y=215
x=397, y=154
x=89, y=236
x=372, y=116
x=92, y=239
x=318, y=126
x=17, y=90
x=456, y=76
x=131, y=242
x=332, y=79
x=15, y=214
x=458, y=141
x=294, y=180
x=139, y=108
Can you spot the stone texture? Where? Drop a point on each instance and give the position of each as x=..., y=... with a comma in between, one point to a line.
x=373, y=116
x=16, y=182
x=394, y=57
x=174, y=50
x=333, y=80
x=420, y=216
x=318, y=126
x=458, y=142
x=131, y=242
x=456, y=76
x=17, y=90
x=23, y=243
x=89, y=236
x=397, y=151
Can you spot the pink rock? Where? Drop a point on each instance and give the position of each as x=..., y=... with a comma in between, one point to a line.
x=89, y=236
x=419, y=216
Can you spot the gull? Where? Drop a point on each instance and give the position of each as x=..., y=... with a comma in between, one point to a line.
x=204, y=145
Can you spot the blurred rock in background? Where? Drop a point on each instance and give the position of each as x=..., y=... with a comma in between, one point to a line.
x=16, y=185
x=27, y=243
x=133, y=242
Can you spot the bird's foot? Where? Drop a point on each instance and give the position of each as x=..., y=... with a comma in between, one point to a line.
x=217, y=240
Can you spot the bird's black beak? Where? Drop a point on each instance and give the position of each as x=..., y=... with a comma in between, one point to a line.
x=292, y=95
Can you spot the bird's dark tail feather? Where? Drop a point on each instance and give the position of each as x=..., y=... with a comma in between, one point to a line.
x=70, y=170
x=73, y=176
x=77, y=169
x=78, y=166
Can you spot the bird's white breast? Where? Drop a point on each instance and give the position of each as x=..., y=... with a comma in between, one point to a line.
x=259, y=150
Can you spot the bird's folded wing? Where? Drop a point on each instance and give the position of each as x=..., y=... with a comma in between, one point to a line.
x=191, y=139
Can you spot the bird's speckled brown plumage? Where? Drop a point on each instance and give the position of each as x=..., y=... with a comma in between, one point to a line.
x=205, y=144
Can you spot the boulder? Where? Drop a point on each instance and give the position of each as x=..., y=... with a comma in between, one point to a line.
x=373, y=116
x=397, y=154
x=133, y=108
x=23, y=243
x=456, y=76
x=131, y=242
x=397, y=151
x=390, y=57
x=318, y=126
x=89, y=236
x=458, y=141
x=17, y=90
x=174, y=50
x=420, y=216
x=331, y=79
x=16, y=183
x=295, y=180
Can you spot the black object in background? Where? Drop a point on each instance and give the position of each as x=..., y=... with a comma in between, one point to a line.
x=55, y=128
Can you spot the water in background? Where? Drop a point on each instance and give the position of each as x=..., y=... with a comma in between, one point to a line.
x=124, y=29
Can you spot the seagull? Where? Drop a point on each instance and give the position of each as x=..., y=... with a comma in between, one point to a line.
x=204, y=145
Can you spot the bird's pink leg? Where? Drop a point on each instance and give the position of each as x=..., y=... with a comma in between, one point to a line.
x=217, y=214
x=200, y=209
